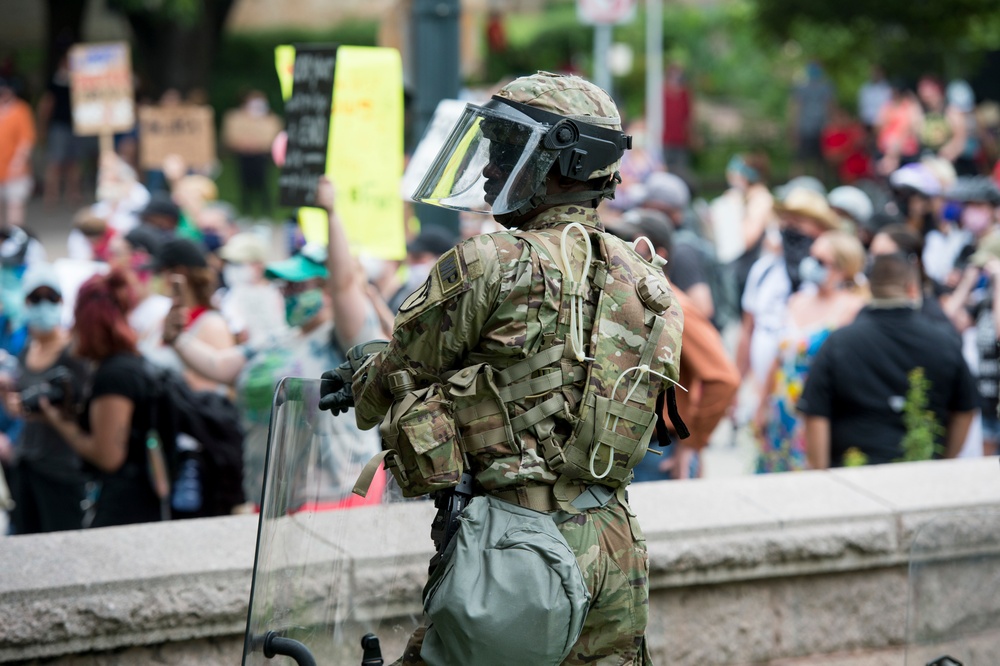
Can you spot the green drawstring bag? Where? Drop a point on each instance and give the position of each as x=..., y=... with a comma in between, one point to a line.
x=508, y=591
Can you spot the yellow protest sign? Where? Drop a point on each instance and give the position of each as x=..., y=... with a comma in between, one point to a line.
x=365, y=157
x=365, y=154
x=284, y=63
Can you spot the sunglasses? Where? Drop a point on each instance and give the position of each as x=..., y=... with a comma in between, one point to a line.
x=40, y=295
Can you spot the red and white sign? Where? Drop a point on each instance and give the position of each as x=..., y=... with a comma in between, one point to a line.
x=101, y=88
x=605, y=12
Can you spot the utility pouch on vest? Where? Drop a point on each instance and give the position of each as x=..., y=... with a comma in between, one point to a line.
x=421, y=443
x=509, y=591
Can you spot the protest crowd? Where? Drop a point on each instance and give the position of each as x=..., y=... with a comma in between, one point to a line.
x=848, y=316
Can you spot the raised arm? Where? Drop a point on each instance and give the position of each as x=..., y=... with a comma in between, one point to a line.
x=346, y=283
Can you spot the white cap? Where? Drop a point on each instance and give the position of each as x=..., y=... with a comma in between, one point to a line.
x=852, y=201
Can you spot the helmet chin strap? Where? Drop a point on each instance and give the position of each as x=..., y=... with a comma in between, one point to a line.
x=542, y=197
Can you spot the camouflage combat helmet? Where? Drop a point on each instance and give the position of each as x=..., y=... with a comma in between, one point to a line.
x=571, y=97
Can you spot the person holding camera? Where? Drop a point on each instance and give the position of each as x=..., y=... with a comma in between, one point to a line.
x=112, y=431
x=48, y=482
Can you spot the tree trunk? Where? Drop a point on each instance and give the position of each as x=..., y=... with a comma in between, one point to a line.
x=63, y=29
x=171, y=53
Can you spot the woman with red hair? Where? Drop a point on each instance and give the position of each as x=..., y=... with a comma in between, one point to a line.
x=111, y=433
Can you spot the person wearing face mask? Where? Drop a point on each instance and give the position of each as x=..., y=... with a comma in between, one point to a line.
x=327, y=310
x=741, y=215
x=831, y=295
x=804, y=215
x=252, y=305
x=248, y=132
x=47, y=481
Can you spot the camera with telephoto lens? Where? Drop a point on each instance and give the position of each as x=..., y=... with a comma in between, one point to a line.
x=55, y=386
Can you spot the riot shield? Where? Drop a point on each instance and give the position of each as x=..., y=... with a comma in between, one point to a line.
x=330, y=567
x=953, y=615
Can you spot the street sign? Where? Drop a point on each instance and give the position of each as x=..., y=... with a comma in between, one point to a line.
x=605, y=12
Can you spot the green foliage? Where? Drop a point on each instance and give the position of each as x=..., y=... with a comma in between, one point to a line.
x=908, y=37
x=922, y=428
x=182, y=11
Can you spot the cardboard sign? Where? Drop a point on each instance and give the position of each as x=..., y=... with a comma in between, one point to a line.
x=244, y=133
x=101, y=88
x=307, y=119
x=187, y=131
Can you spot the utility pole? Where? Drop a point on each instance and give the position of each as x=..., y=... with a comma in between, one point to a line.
x=436, y=57
x=654, y=76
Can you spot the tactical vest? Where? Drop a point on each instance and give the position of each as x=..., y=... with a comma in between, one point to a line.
x=584, y=399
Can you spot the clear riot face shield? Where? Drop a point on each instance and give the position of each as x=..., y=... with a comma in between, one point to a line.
x=953, y=615
x=492, y=162
x=498, y=156
x=328, y=573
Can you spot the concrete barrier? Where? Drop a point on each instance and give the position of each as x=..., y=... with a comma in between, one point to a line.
x=785, y=569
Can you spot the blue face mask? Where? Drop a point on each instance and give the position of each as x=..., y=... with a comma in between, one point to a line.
x=211, y=240
x=43, y=317
x=301, y=307
x=810, y=270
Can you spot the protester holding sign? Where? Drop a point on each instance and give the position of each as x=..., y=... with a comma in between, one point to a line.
x=248, y=132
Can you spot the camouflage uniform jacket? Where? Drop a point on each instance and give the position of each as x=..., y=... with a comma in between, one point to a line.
x=496, y=299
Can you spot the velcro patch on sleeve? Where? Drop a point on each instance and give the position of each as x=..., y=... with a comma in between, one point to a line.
x=451, y=272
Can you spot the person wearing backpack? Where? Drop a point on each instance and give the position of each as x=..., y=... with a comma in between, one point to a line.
x=526, y=372
x=111, y=434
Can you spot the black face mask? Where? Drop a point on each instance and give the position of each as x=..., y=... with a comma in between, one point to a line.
x=796, y=246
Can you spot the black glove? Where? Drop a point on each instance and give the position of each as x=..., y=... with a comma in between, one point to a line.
x=335, y=392
x=335, y=389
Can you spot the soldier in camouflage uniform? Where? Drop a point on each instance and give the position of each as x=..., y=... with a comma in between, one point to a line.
x=506, y=298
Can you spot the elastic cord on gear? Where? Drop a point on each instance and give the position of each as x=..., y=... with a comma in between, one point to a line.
x=643, y=370
x=576, y=331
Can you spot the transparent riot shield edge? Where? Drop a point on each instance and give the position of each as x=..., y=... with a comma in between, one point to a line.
x=953, y=609
x=309, y=589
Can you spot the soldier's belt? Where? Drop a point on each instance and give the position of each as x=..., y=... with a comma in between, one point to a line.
x=542, y=498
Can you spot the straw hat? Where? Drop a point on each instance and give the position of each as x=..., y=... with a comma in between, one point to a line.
x=811, y=204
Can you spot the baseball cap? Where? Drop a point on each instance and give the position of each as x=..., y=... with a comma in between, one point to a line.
x=147, y=238
x=160, y=203
x=917, y=176
x=38, y=276
x=666, y=189
x=178, y=252
x=852, y=201
x=433, y=240
x=308, y=264
x=244, y=247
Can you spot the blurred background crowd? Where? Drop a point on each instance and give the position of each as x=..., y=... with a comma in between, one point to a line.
x=838, y=279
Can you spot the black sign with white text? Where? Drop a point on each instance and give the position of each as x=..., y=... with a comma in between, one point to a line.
x=307, y=119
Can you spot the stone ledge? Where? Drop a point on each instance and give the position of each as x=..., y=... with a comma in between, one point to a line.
x=181, y=582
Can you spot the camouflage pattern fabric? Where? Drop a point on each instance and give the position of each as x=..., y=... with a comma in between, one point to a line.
x=496, y=300
x=569, y=96
x=611, y=552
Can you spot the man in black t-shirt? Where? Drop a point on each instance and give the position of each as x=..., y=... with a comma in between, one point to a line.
x=862, y=392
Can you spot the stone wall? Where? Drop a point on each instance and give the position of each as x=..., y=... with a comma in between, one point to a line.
x=808, y=568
